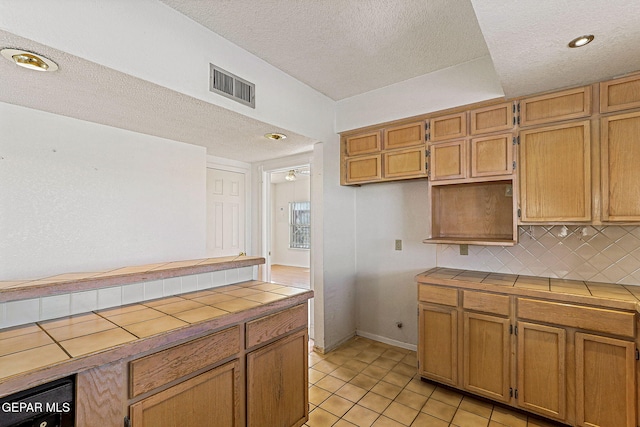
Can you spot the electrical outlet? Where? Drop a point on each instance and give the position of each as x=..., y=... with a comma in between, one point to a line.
x=464, y=249
x=398, y=245
x=509, y=191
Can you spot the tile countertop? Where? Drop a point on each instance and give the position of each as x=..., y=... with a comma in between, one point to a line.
x=11, y=290
x=39, y=352
x=612, y=295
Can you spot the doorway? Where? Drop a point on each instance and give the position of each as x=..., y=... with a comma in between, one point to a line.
x=287, y=228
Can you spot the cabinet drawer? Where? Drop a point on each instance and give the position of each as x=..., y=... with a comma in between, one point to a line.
x=557, y=106
x=575, y=316
x=620, y=94
x=488, y=303
x=168, y=365
x=438, y=295
x=267, y=328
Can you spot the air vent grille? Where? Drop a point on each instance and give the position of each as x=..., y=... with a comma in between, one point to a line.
x=232, y=86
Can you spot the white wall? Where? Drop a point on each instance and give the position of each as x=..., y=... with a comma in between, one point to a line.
x=473, y=81
x=385, y=281
x=77, y=196
x=282, y=194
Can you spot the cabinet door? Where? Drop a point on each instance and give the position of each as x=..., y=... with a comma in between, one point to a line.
x=620, y=94
x=495, y=118
x=555, y=107
x=620, y=156
x=541, y=369
x=404, y=163
x=492, y=155
x=605, y=381
x=210, y=399
x=448, y=160
x=277, y=383
x=365, y=168
x=555, y=173
x=448, y=127
x=363, y=144
x=486, y=355
x=438, y=343
x=404, y=136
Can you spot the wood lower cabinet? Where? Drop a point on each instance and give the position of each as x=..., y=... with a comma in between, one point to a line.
x=487, y=352
x=605, y=381
x=542, y=369
x=209, y=399
x=571, y=364
x=277, y=382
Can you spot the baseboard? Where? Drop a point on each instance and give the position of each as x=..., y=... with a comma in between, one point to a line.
x=386, y=340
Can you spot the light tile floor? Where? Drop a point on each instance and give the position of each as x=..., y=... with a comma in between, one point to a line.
x=367, y=383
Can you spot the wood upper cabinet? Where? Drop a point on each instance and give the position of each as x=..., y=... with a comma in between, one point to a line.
x=620, y=168
x=404, y=136
x=620, y=94
x=555, y=173
x=495, y=118
x=605, y=381
x=277, y=383
x=408, y=162
x=448, y=127
x=210, y=399
x=541, y=369
x=492, y=155
x=448, y=160
x=486, y=355
x=363, y=168
x=366, y=143
x=555, y=107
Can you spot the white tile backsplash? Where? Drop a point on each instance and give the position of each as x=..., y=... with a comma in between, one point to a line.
x=21, y=312
x=50, y=307
x=132, y=293
x=109, y=297
x=82, y=302
x=172, y=286
x=591, y=253
x=55, y=306
x=153, y=289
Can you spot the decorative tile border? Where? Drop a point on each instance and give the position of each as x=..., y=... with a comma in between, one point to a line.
x=609, y=254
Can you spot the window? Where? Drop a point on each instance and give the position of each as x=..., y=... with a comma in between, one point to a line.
x=299, y=225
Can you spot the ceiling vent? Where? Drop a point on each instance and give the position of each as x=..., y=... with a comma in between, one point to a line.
x=232, y=86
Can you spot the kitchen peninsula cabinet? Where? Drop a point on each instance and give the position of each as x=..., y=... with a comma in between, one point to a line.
x=546, y=346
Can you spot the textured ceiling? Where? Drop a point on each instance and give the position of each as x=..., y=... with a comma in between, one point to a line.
x=345, y=48
x=340, y=48
x=528, y=41
x=91, y=92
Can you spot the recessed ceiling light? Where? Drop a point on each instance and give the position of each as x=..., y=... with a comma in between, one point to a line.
x=275, y=136
x=581, y=41
x=29, y=60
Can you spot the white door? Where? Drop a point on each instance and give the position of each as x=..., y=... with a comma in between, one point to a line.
x=225, y=213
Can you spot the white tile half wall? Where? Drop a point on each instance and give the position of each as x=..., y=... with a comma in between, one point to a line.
x=609, y=254
x=21, y=312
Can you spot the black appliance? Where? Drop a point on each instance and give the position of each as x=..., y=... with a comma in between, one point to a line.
x=47, y=405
